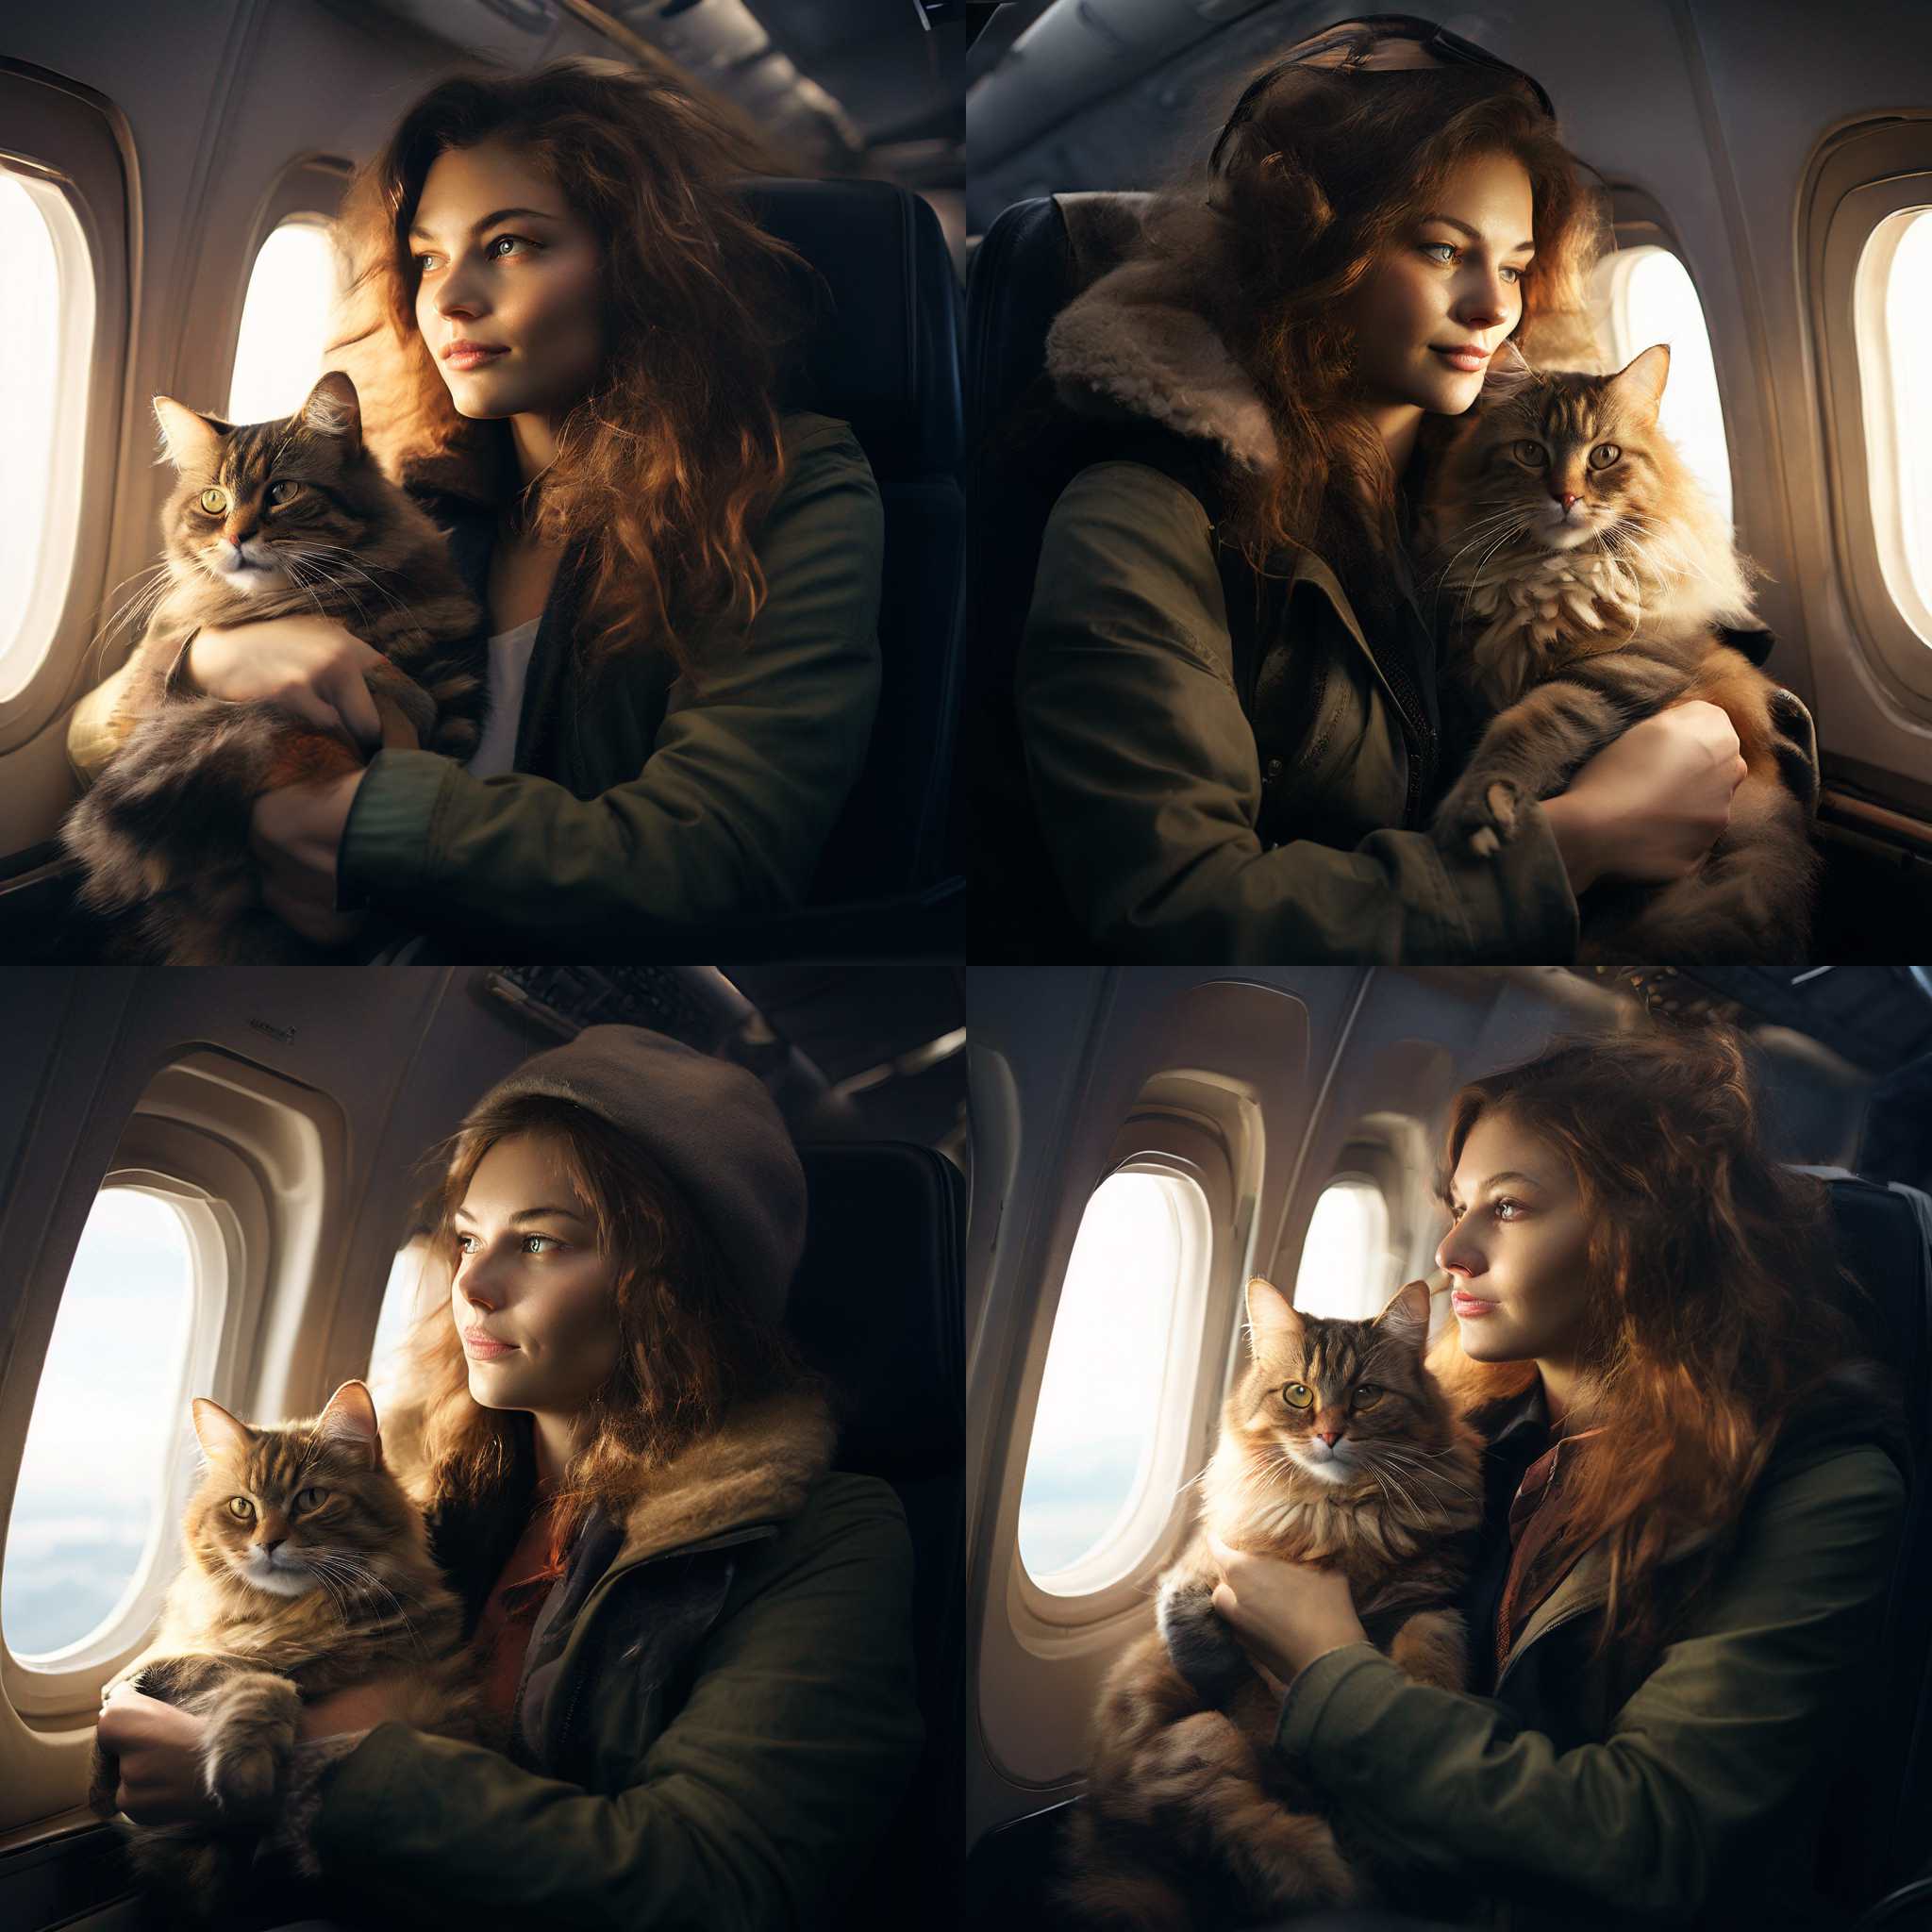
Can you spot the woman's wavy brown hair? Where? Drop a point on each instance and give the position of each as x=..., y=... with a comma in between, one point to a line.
x=664, y=469
x=690, y=1352
x=1711, y=1319
x=1313, y=180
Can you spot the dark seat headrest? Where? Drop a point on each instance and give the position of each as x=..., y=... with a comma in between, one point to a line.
x=876, y=1303
x=883, y=348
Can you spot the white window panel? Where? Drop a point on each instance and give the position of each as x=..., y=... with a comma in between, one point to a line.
x=1892, y=302
x=1347, y=1268
x=285, y=321
x=1108, y=1434
x=416, y=1283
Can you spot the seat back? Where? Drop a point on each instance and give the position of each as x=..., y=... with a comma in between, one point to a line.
x=883, y=353
x=877, y=1306
x=1034, y=260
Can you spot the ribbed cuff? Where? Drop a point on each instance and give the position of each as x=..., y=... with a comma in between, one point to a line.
x=310, y=1766
x=387, y=849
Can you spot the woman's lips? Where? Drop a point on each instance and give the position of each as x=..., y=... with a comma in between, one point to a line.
x=1469, y=1304
x=1462, y=358
x=470, y=358
x=485, y=1351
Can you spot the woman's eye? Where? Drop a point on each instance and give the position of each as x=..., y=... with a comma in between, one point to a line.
x=1533, y=454
x=1296, y=1395
x=1448, y=249
x=281, y=492
x=422, y=261
x=463, y=1244
x=1604, y=455
x=545, y=1243
x=310, y=1499
x=1507, y=1210
x=241, y=1507
x=497, y=241
x=1367, y=1396
x=214, y=501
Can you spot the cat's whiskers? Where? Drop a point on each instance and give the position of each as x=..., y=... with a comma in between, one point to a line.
x=148, y=595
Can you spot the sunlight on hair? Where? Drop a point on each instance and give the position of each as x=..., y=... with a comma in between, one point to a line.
x=1110, y=1373
x=104, y=1421
x=1892, y=297
x=1346, y=1274
x=285, y=321
x=1643, y=296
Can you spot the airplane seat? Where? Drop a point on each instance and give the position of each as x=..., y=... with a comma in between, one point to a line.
x=877, y=1304
x=1034, y=260
x=882, y=352
x=1876, y=1838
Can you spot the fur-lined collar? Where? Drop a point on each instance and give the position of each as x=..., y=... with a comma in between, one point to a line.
x=1135, y=345
x=759, y=1468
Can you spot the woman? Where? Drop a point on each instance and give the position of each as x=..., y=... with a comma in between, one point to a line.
x=1227, y=691
x=1695, y=1493
x=682, y=582
x=714, y=1740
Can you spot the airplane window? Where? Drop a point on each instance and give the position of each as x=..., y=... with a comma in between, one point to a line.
x=47, y=323
x=1890, y=297
x=284, y=319
x=403, y=1300
x=1125, y=1340
x=1345, y=1272
x=89, y=1496
x=1645, y=295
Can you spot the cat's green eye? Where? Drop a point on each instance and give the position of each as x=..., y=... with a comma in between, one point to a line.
x=1604, y=455
x=1367, y=1396
x=215, y=502
x=240, y=1506
x=1531, y=453
x=310, y=1498
x=280, y=492
x=1297, y=1395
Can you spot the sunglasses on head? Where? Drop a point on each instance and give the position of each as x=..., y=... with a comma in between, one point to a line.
x=1352, y=45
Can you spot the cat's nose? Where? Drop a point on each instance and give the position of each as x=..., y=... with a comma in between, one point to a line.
x=1328, y=1436
x=272, y=1543
x=1566, y=498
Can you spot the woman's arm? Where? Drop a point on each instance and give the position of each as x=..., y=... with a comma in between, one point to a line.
x=1144, y=769
x=752, y=1808
x=730, y=812
x=1710, y=1764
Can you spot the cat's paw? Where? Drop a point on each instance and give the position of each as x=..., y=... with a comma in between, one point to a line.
x=1199, y=1644
x=250, y=1735
x=1477, y=820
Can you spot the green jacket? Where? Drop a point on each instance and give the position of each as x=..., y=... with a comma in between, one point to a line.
x=719, y=1702
x=1685, y=1790
x=640, y=800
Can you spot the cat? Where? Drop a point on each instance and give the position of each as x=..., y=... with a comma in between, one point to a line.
x=1337, y=1447
x=308, y=1570
x=268, y=520
x=1591, y=576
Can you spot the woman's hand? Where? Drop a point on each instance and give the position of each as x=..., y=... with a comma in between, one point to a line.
x=1285, y=1614
x=1650, y=805
x=310, y=666
x=359, y=1709
x=160, y=1748
x=294, y=834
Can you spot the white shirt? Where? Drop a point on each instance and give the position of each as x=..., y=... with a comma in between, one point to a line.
x=509, y=663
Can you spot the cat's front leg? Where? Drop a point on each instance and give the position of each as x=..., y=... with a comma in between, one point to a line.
x=1433, y=1647
x=250, y=1735
x=1199, y=1643
x=1525, y=753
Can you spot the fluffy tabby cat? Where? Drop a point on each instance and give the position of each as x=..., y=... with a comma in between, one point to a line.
x=268, y=520
x=1337, y=1447
x=1590, y=574
x=308, y=1570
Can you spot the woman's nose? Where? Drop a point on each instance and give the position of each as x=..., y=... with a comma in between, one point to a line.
x=1484, y=305
x=1456, y=1253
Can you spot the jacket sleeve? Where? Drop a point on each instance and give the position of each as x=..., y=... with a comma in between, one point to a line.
x=755, y=1807
x=727, y=818
x=1146, y=775
x=1711, y=1763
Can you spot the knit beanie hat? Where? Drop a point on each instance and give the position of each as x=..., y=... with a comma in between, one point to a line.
x=712, y=1127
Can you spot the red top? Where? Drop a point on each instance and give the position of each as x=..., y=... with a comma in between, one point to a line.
x=503, y=1632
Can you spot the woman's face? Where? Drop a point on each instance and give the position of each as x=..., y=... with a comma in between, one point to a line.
x=506, y=263
x=1452, y=280
x=529, y=1275
x=1515, y=1246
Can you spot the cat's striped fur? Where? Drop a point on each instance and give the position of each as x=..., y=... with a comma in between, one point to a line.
x=164, y=827
x=1574, y=622
x=1191, y=1819
x=352, y=1595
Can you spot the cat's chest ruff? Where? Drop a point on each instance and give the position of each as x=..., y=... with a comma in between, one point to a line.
x=1528, y=615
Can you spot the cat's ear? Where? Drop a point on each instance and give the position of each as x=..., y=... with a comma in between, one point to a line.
x=222, y=1438
x=1405, y=1320
x=193, y=441
x=1271, y=1314
x=1639, y=384
x=349, y=1419
x=333, y=409
x=1506, y=372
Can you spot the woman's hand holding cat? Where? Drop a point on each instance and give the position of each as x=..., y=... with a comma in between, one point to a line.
x=310, y=666
x=1650, y=805
x=158, y=1746
x=294, y=833
x=1285, y=1614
